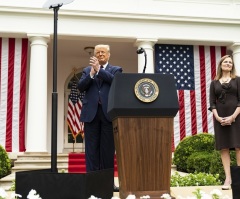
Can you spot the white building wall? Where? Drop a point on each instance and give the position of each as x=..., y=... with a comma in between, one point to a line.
x=122, y=23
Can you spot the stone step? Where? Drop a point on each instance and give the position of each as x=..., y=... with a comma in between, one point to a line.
x=33, y=161
x=39, y=162
x=40, y=156
x=38, y=167
x=7, y=181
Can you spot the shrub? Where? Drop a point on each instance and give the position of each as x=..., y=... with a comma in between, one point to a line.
x=199, y=162
x=216, y=163
x=13, y=186
x=190, y=145
x=194, y=179
x=5, y=163
x=196, y=154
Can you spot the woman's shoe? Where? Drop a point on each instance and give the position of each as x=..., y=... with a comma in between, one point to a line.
x=226, y=187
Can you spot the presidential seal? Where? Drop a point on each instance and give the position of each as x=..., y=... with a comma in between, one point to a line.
x=146, y=90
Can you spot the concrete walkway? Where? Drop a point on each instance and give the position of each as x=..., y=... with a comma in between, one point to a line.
x=188, y=191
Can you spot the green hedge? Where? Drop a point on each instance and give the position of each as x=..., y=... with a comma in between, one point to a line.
x=5, y=163
x=196, y=154
x=199, y=162
x=216, y=164
x=194, y=179
x=189, y=145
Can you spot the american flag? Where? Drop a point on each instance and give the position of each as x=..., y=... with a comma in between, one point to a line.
x=13, y=67
x=193, y=68
x=74, y=112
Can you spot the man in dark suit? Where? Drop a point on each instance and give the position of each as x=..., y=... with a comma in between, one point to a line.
x=96, y=81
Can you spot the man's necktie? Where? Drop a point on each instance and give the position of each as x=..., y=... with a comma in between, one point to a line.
x=99, y=83
x=99, y=80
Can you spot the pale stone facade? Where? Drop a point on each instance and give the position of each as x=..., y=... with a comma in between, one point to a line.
x=126, y=25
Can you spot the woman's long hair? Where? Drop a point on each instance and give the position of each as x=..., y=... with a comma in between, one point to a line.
x=219, y=68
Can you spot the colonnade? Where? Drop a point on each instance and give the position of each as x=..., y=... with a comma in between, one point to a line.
x=36, y=136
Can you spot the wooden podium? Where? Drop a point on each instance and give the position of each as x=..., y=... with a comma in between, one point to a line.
x=143, y=134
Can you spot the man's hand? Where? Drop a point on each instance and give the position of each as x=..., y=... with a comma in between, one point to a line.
x=95, y=64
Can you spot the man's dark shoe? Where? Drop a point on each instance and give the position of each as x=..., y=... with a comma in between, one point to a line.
x=115, y=188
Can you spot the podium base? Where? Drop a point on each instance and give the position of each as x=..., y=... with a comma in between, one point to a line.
x=51, y=185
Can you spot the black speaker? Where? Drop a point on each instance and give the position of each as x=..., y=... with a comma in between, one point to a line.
x=51, y=185
x=235, y=175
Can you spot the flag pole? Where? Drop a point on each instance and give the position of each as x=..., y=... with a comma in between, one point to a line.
x=73, y=146
x=55, y=4
x=54, y=96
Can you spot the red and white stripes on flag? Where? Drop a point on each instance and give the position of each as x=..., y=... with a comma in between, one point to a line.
x=13, y=68
x=74, y=112
x=194, y=67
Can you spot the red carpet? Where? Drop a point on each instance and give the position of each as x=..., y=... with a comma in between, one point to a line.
x=76, y=163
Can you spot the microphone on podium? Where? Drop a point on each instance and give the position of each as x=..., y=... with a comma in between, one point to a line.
x=140, y=51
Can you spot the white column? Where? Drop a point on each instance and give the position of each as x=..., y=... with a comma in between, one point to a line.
x=236, y=56
x=146, y=44
x=37, y=95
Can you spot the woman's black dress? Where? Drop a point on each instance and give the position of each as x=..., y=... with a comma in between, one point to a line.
x=226, y=98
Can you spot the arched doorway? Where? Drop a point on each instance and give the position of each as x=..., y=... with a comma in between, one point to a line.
x=71, y=144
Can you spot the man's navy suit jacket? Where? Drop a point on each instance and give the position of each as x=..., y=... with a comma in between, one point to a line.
x=96, y=91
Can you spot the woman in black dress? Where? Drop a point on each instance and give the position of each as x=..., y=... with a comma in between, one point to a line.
x=225, y=105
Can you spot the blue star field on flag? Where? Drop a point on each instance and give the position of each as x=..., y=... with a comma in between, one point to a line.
x=176, y=60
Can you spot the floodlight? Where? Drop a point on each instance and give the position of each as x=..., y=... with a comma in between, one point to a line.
x=56, y=3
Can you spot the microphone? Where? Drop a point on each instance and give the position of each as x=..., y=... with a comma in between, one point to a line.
x=140, y=51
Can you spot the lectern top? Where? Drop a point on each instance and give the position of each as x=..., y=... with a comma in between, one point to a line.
x=123, y=100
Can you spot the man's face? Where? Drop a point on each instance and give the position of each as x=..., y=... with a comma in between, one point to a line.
x=102, y=55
